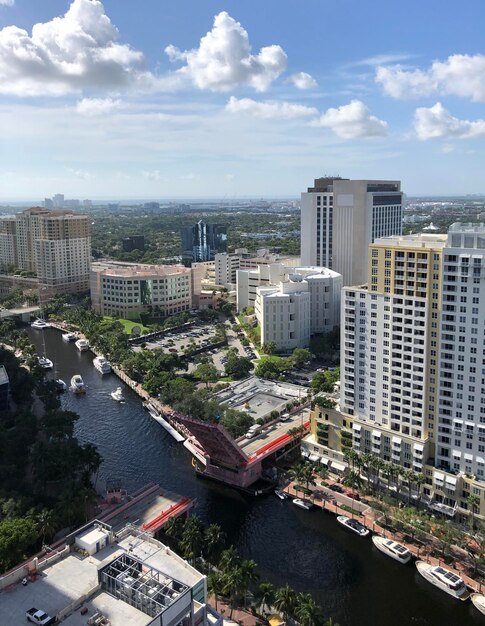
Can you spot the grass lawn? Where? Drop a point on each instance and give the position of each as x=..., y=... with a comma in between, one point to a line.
x=128, y=325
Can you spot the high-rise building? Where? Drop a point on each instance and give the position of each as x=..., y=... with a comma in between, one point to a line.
x=413, y=365
x=226, y=266
x=58, y=201
x=55, y=245
x=341, y=217
x=201, y=241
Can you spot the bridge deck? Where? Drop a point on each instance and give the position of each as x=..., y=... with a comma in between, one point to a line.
x=273, y=437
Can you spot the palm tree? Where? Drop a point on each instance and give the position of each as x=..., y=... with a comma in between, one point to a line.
x=330, y=622
x=474, y=502
x=265, y=595
x=308, y=476
x=173, y=528
x=214, y=583
x=396, y=471
x=408, y=477
x=285, y=601
x=378, y=465
x=233, y=585
x=420, y=480
x=229, y=558
x=296, y=474
x=367, y=460
x=249, y=575
x=192, y=538
x=214, y=537
x=307, y=611
x=46, y=524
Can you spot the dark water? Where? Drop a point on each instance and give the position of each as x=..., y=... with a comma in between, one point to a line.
x=355, y=584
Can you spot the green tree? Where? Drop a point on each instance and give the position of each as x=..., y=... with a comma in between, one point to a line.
x=229, y=559
x=17, y=537
x=207, y=373
x=300, y=356
x=265, y=595
x=269, y=347
x=285, y=601
x=249, y=575
x=192, y=538
x=237, y=367
x=474, y=504
x=307, y=611
x=46, y=524
x=214, y=538
x=233, y=584
x=214, y=585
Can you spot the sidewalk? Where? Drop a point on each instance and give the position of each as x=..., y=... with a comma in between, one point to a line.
x=239, y=615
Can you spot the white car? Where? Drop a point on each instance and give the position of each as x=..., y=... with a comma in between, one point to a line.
x=39, y=617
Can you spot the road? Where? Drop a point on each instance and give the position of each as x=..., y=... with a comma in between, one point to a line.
x=273, y=432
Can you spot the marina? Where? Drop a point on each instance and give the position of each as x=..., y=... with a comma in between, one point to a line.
x=343, y=574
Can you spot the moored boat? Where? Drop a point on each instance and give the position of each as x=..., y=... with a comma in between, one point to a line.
x=45, y=363
x=77, y=384
x=478, y=600
x=444, y=579
x=303, y=504
x=118, y=395
x=60, y=385
x=82, y=345
x=39, y=324
x=395, y=550
x=353, y=525
x=69, y=337
x=102, y=365
x=281, y=494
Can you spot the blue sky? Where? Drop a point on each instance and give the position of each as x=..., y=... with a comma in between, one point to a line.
x=194, y=98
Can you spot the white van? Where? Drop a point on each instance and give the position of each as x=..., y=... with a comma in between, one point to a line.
x=253, y=430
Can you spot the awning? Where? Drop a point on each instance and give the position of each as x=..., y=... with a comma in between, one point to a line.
x=314, y=458
x=376, y=434
x=340, y=467
x=397, y=441
x=419, y=446
x=450, y=480
x=442, y=508
x=439, y=477
x=324, y=461
x=356, y=426
x=468, y=457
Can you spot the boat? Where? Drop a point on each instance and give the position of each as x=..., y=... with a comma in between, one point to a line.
x=77, y=384
x=353, y=525
x=395, y=550
x=67, y=337
x=39, y=324
x=478, y=600
x=444, y=579
x=281, y=494
x=163, y=422
x=303, y=504
x=118, y=395
x=60, y=385
x=82, y=345
x=45, y=363
x=102, y=365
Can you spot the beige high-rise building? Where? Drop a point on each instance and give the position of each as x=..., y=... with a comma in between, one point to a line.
x=341, y=217
x=56, y=245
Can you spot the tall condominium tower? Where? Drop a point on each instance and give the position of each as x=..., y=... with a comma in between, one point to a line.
x=202, y=241
x=56, y=245
x=341, y=217
x=413, y=365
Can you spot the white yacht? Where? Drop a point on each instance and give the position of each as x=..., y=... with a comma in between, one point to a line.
x=444, y=579
x=77, y=384
x=478, y=600
x=60, y=385
x=67, y=337
x=281, y=494
x=45, y=363
x=303, y=504
x=118, y=395
x=353, y=525
x=102, y=365
x=40, y=324
x=82, y=345
x=395, y=550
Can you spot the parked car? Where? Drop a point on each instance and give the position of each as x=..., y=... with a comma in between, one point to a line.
x=172, y=350
x=39, y=617
x=337, y=488
x=353, y=494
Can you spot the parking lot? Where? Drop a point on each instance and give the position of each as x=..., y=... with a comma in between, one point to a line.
x=175, y=341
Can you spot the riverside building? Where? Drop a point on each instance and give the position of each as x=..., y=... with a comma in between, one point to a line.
x=413, y=366
x=127, y=289
x=341, y=217
x=54, y=245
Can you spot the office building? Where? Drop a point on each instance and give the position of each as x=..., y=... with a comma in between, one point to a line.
x=412, y=388
x=55, y=245
x=226, y=266
x=201, y=241
x=340, y=218
x=125, y=290
x=134, y=242
x=247, y=282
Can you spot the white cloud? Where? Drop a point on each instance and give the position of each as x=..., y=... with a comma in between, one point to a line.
x=353, y=121
x=7, y=3
x=152, y=175
x=448, y=148
x=381, y=59
x=460, y=75
x=223, y=59
x=269, y=110
x=436, y=122
x=97, y=106
x=302, y=80
x=81, y=174
x=67, y=54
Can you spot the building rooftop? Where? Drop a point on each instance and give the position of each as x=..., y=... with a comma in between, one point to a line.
x=419, y=240
x=138, y=270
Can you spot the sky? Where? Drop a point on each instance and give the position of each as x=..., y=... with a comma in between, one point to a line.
x=239, y=98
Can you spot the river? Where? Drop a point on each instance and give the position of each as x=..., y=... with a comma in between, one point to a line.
x=353, y=582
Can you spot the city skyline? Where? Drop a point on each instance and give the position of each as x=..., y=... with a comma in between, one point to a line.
x=99, y=99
